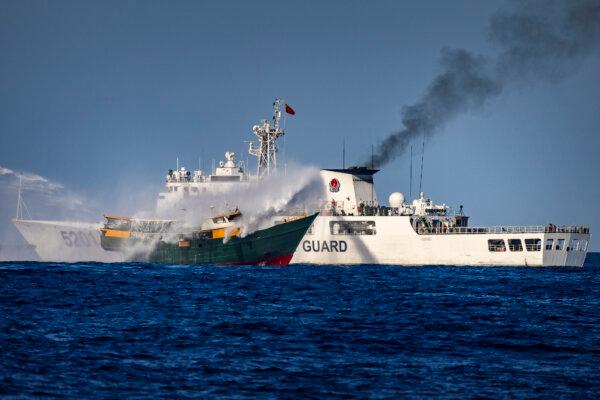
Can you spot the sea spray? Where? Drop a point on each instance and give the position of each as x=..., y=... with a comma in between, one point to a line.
x=261, y=203
x=299, y=190
x=46, y=195
x=40, y=197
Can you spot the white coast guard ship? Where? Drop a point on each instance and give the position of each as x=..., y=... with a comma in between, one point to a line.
x=352, y=228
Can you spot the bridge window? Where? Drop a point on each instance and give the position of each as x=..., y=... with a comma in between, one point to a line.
x=584, y=245
x=571, y=246
x=225, y=178
x=549, y=243
x=535, y=244
x=560, y=244
x=515, y=245
x=352, y=227
x=118, y=224
x=496, y=245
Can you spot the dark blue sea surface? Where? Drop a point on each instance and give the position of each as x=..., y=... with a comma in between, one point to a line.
x=152, y=331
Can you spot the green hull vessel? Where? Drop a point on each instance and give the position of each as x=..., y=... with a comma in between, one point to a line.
x=272, y=246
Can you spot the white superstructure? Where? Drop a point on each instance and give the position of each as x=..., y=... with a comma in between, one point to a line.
x=180, y=183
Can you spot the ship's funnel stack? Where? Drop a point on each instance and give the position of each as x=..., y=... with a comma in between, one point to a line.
x=267, y=134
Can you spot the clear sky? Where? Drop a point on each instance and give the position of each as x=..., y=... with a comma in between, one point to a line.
x=103, y=96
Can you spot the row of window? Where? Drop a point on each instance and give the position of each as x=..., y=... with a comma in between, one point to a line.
x=352, y=227
x=574, y=245
x=186, y=189
x=496, y=245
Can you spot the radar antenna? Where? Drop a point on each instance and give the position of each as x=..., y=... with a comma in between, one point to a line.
x=267, y=134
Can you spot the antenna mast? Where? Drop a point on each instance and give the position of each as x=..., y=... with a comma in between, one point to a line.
x=422, y=154
x=411, y=174
x=19, y=199
x=267, y=134
x=344, y=154
x=20, y=203
x=372, y=194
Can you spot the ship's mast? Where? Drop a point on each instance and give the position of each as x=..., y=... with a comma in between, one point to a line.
x=19, y=200
x=21, y=203
x=267, y=134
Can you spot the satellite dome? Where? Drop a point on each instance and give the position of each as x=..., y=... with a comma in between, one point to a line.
x=396, y=200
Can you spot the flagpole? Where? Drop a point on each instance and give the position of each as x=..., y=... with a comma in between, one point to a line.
x=19, y=198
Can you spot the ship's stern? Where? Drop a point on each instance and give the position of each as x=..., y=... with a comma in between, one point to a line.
x=565, y=249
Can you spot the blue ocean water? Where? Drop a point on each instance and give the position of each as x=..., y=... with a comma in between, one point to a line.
x=151, y=331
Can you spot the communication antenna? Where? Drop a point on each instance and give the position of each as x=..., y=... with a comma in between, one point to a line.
x=422, y=155
x=267, y=134
x=372, y=188
x=411, y=174
x=20, y=203
x=344, y=154
x=19, y=199
x=372, y=150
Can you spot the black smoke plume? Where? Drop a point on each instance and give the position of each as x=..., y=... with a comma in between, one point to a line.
x=536, y=40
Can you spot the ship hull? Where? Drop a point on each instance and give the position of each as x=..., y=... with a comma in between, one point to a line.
x=394, y=242
x=65, y=241
x=271, y=246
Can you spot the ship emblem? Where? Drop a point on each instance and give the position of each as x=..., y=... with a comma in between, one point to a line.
x=334, y=185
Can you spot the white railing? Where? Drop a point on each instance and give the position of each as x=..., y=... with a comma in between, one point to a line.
x=503, y=229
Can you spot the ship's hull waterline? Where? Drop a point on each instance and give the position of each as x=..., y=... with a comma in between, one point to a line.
x=394, y=243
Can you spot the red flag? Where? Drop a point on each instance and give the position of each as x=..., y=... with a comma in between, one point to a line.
x=289, y=109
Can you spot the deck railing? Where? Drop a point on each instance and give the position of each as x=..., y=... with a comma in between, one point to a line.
x=503, y=229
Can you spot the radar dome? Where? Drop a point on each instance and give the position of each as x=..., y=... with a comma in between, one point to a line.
x=396, y=200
